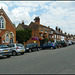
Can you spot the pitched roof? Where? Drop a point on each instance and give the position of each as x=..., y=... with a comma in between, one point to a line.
x=23, y=25
x=1, y=10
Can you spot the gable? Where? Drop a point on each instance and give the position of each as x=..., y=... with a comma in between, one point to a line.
x=2, y=13
x=19, y=27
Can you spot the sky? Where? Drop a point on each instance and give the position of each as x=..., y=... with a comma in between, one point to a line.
x=51, y=13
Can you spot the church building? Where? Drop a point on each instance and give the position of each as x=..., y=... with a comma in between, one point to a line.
x=7, y=30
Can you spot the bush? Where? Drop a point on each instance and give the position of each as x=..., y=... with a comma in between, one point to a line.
x=23, y=35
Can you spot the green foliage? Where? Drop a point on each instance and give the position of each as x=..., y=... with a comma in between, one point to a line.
x=45, y=40
x=23, y=35
x=52, y=40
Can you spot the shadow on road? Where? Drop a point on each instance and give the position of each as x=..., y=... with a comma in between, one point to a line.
x=3, y=58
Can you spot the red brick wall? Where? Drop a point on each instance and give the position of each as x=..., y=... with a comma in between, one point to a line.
x=9, y=26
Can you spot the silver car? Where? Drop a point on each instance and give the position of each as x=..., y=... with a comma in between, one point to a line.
x=17, y=48
x=5, y=51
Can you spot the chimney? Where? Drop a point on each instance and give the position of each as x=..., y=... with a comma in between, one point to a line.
x=56, y=28
x=59, y=30
x=22, y=21
x=37, y=20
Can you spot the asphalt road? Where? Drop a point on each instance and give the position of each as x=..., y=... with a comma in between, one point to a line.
x=57, y=61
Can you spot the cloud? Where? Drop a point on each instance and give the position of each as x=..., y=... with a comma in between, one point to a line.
x=51, y=13
x=60, y=15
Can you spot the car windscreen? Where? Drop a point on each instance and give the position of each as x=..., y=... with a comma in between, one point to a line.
x=19, y=45
x=28, y=46
x=45, y=44
x=3, y=46
x=49, y=43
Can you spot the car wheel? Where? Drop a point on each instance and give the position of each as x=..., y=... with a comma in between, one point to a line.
x=8, y=56
x=51, y=47
x=62, y=45
x=14, y=53
x=55, y=47
x=30, y=50
x=22, y=53
x=38, y=49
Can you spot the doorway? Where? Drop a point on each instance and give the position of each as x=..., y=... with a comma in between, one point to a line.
x=11, y=40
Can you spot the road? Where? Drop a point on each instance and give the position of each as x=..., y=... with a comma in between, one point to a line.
x=57, y=61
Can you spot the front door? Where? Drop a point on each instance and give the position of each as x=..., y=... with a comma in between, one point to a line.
x=11, y=40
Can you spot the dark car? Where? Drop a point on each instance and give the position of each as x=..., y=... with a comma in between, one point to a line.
x=32, y=47
x=63, y=43
x=50, y=45
x=58, y=44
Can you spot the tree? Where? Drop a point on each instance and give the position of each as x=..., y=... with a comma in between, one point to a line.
x=23, y=35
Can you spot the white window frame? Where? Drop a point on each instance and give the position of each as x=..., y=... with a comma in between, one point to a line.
x=41, y=34
x=12, y=35
x=7, y=38
x=2, y=22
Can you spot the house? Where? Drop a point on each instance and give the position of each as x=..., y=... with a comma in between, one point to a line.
x=60, y=35
x=73, y=37
x=7, y=30
x=21, y=26
x=40, y=32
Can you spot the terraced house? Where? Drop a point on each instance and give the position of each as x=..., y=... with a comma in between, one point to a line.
x=7, y=30
x=39, y=32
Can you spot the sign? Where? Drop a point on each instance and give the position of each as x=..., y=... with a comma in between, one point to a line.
x=34, y=41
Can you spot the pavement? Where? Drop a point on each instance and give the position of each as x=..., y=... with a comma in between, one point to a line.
x=56, y=61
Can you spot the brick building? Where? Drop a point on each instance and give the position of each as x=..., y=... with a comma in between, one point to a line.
x=7, y=30
x=59, y=34
x=39, y=32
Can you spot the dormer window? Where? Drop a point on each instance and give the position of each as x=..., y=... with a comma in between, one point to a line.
x=2, y=23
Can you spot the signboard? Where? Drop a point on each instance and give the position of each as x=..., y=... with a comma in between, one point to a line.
x=34, y=41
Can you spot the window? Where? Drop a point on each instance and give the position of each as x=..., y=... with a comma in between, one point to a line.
x=41, y=34
x=19, y=45
x=52, y=36
x=11, y=34
x=7, y=38
x=55, y=36
x=41, y=30
x=45, y=31
x=51, y=32
x=1, y=23
x=11, y=45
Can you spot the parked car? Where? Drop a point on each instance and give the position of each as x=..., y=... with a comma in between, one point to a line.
x=17, y=48
x=73, y=42
x=32, y=47
x=63, y=43
x=5, y=51
x=70, y=42
x=49, y=45
x=58, y=45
